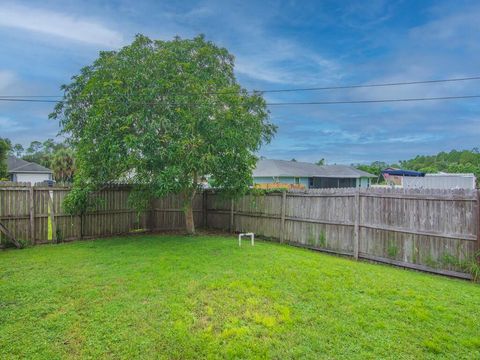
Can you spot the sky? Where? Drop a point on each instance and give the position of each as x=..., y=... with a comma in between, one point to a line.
x=277, y=45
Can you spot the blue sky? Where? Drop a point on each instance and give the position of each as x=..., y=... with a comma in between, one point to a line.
x=277, y=44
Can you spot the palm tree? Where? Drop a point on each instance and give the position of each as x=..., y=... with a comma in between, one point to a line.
x=63, y=165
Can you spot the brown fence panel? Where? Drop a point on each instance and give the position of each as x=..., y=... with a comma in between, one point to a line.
x=15, y=211
x=168, y=212
x=259, y=212
x=432, y=230
x=36, y=214
x=218, y=211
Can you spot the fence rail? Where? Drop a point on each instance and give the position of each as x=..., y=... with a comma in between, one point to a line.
x=35, y=214
x=430, y=230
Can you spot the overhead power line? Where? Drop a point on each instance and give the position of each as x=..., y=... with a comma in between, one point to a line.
x=375, y=100
x=28, y=100
x=300, y=103
x=320, y=88
x=30, y=96
x=371, y=85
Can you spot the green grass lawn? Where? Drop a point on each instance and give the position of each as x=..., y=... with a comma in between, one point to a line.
x=179, y=297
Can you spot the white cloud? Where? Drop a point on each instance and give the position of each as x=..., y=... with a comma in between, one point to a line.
x=457, y=29
x=58, y=24
x=286, y=62
x=7, y=78
x=8, y=126
x=262, y=54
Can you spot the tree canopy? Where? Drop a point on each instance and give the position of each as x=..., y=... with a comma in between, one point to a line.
x=164, y=115
x=374, y=168
x=39, y=152
x=63, y=165
x=4, y=150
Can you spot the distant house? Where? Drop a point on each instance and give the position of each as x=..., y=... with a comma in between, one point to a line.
x=279, y=173
x=409, y=179
x=395, y=177
x=23, y=171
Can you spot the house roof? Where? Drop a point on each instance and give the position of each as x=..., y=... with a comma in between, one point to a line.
x=16, y=165
x=268, y=167
x=401, y=172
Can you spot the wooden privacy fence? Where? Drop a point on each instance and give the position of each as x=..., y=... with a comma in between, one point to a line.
x=430, y=230
x=427, y=230
x=35, y=214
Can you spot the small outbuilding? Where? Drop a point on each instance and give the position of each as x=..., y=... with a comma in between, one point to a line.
x=20, y=170
x=296, y=174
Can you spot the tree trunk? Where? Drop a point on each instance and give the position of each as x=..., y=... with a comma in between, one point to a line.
x=189, y=223
x=189, y=196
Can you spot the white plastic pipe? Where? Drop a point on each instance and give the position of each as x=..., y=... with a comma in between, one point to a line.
x=252, y=238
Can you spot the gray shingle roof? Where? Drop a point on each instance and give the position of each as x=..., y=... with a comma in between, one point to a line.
x=267, y=167
x=16, y=165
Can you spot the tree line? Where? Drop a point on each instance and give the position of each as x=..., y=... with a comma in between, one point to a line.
x=56, y=156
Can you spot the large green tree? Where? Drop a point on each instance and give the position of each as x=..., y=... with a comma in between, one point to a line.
x=164, y=115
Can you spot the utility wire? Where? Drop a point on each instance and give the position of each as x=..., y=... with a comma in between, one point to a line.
x=28, y=100
x=371, y=85
x=374, y=101
x=299, y=89
x=29, y=96
x=300, y=103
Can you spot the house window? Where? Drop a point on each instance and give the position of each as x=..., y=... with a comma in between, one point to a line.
x=346, y=182
x=297, y=180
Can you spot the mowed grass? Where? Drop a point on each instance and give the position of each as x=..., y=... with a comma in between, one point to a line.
x=178, y=297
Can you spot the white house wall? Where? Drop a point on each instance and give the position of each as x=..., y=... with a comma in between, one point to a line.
x=439, y=182
x=32, y=177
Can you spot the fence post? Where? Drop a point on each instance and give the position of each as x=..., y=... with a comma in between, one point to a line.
x=205, y=209
x=232, y=216
x=356, y=229
x=80, y=226
x=32, y=215
x=282, y=216
x=151, y=215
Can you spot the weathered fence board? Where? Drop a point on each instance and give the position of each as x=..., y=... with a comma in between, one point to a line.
x=36, y=214
x=434, y=230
